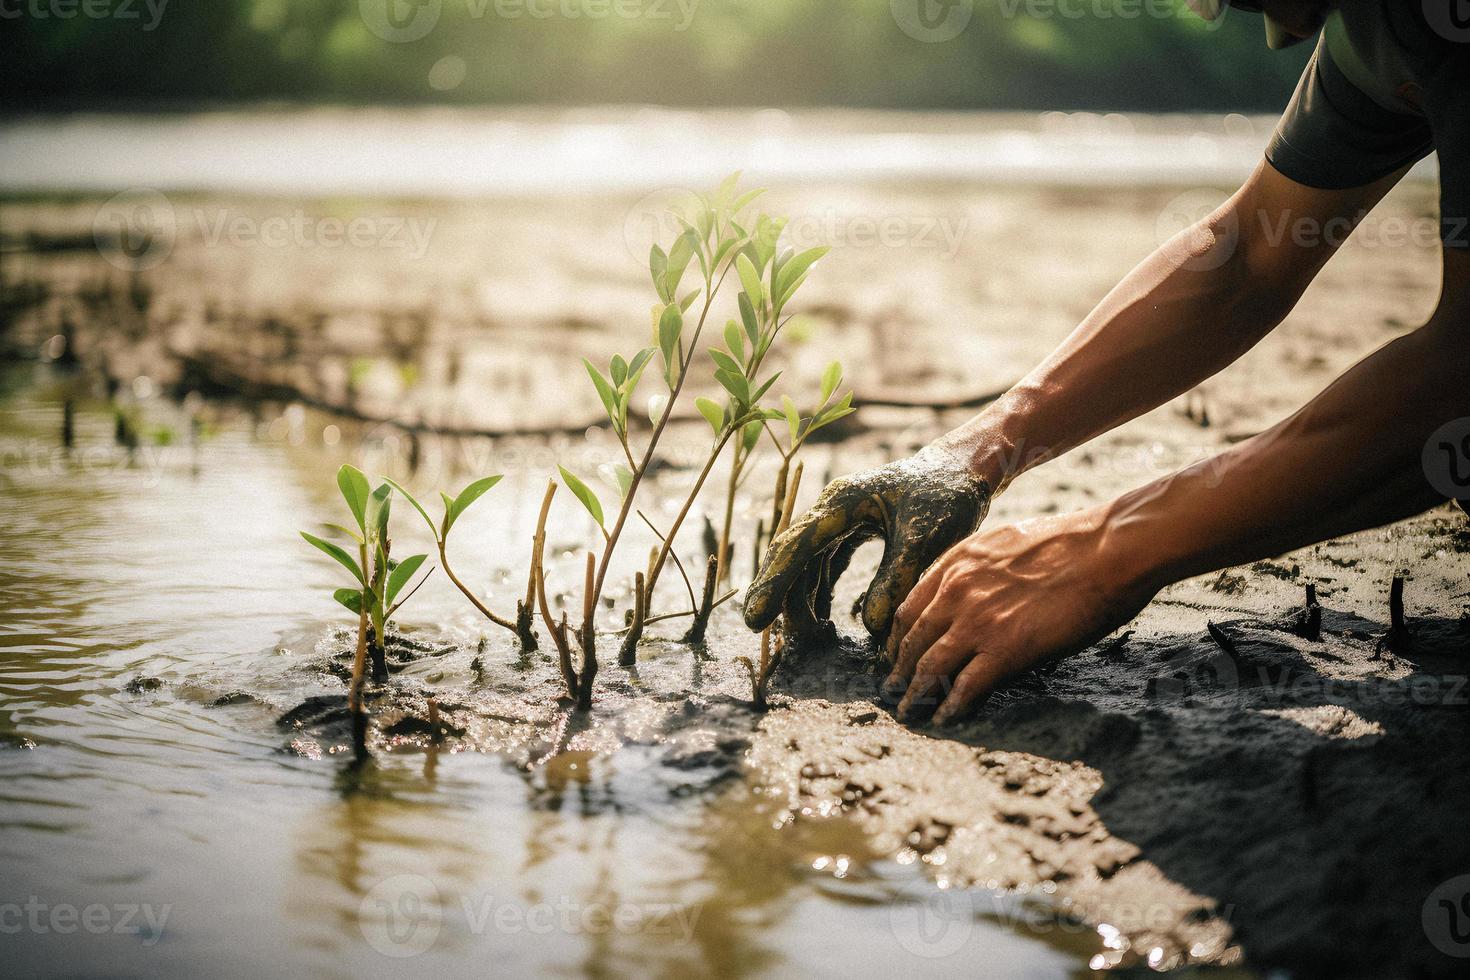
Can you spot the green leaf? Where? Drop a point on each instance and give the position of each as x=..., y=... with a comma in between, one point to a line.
x=750, y=435
x=797, y=267
x=750, y=279
x=658, y=264
x=793, y=417
x=624, y=477
x=347, y=561
x=725, y=361
x=347, y=531
x=735, y=384
x=782, y=257
x=400, y=576
x=354, y=486
x=414, y=501
x=378, y=506
x=756, y=396
x=831, y=378
x=829, y=415
x=747, y=316
x=670, y=324
x=745, y=199
x=790, y=290
x=688, y=300
x=618, y=370
x=726, y=190
x=604, y=391
x=583, y=493
x=467, y=496
x=636, y=366
x=683, y=249
x=713, y=413
x=351, y=598
x=735, y=340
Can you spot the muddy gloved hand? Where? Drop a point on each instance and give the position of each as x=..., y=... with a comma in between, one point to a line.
x=919, y=506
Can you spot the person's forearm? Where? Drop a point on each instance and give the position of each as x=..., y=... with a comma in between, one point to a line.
x=1350, y=460
x=1167, y=326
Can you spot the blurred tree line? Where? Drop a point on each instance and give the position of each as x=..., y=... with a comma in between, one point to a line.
x=1023, y=54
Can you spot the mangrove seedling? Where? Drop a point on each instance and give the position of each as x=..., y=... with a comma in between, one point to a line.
x=454, y=507
x=715, y=236
x=380, y=582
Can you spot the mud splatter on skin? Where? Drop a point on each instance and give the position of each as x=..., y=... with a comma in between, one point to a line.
x=919, y=507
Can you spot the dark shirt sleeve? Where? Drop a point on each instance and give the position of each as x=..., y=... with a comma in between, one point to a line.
x=1447, y=104
x=1333, y=136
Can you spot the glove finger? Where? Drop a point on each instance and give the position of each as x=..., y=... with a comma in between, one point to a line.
x=834, y=516
x=916, y=543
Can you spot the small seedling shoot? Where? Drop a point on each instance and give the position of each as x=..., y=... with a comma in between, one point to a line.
x=716, y=239
x=379, y=584
x=454, y=508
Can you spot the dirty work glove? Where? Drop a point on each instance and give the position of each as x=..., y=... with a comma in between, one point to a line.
x=919, y=506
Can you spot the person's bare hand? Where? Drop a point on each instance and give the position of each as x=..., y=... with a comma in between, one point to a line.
x=1004, y=600
x=919, y=506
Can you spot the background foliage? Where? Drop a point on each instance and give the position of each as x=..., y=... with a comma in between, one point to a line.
x=730, y=52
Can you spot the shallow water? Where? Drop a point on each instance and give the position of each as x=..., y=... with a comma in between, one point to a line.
x=147, y=831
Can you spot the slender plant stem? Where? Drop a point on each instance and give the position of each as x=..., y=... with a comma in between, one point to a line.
x=688, y=585
x=737, y=462
x=538, y=543
x=688, y=503
x=484, y=610
x=663, y=420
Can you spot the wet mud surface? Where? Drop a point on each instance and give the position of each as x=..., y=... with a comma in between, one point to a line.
x=1270, y=802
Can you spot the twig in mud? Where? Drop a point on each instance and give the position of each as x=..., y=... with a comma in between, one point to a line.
x=706, y=603
x=628, y=655
x=559, y=638
x=1309, y=620
x=760, y=676
x=525, y=608
x=1399, y=638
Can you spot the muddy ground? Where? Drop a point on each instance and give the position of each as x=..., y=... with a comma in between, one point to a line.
x=1252, y=799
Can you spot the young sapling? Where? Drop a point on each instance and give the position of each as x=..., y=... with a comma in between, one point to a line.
x=380, y=582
